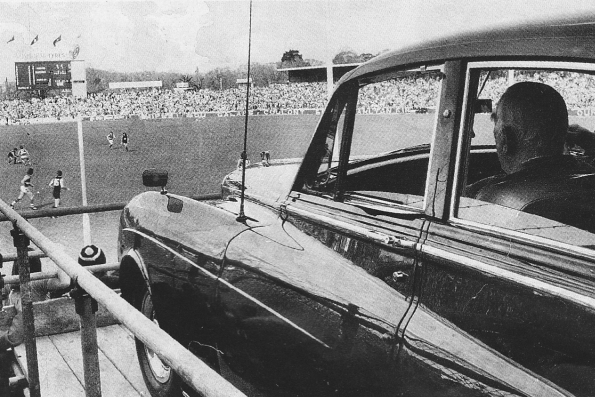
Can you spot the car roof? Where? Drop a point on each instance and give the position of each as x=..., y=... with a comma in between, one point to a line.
x=569, y=38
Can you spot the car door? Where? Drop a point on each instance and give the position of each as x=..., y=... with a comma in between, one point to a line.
x=517, y=288
x=314, y=301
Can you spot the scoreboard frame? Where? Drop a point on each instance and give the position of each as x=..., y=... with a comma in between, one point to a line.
x=43, y=75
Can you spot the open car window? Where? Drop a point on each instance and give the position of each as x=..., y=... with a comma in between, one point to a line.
x=374, y=142
x=556, y=205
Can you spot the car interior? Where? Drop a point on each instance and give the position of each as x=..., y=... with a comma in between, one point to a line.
x=407, y=173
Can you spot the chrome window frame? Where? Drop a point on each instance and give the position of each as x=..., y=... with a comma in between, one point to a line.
x=395, y=74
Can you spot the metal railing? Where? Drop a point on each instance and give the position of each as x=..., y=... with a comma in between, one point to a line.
x=191, y=369
x=88, y=209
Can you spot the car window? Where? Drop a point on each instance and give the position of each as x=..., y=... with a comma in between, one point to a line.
x=375, y=146
x=551, y=197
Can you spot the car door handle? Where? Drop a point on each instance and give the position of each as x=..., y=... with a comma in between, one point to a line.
x=400, y=276
x=399, y=242
x=392, y=241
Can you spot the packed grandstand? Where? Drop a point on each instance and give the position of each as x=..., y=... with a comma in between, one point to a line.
x=294, y=98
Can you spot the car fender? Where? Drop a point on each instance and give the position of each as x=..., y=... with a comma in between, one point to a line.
x=174, y=225
x=131, y=258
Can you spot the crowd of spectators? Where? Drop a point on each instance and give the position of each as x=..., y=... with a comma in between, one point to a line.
x=405, y=95
x=569, y=84
x=156, y=102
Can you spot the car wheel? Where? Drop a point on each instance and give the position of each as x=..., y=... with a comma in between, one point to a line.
x=160, y=379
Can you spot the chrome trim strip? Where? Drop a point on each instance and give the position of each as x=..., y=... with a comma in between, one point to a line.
x=457, y=171
x=277, y=314
x=503, y=274
x=361, y=232
x=532, y=64
x=426, y=202
x=534, y=241
x=154, y=240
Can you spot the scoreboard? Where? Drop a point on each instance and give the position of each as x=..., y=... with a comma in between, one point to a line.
x=43, y=75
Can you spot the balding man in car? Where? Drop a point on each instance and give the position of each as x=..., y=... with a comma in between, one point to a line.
x=530, y=130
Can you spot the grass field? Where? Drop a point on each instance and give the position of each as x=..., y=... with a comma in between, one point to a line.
x=196, y=152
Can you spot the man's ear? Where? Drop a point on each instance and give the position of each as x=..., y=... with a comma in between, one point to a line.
x=508, y=143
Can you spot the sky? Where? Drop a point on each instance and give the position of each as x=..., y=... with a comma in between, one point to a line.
x=183, y=35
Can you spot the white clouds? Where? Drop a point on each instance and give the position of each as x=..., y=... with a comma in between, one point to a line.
x=223, y=35
x=177, y=24
x=12, y=28
x=180, y=35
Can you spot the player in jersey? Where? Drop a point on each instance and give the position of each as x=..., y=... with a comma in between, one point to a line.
x=13, y=156
x=265, y=158
x=24, y=156
x=110, y=139
x=57, y=184
x=125, y=140
x=26, y=186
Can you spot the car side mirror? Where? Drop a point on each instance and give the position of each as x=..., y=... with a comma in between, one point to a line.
x=483, y=106
x=155, y=178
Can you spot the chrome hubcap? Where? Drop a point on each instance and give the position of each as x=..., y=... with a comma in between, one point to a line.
x=160, y=370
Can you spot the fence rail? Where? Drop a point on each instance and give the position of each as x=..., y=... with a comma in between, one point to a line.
x=87, y=209
x=192, y=370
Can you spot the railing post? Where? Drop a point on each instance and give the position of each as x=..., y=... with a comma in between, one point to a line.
x=86, y=307
x=21, y=242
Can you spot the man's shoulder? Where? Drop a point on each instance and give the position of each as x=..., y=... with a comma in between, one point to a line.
x=473, y=189
x=539, y=180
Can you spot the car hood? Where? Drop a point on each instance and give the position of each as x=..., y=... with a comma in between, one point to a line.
x=268, y=184
x=204, y=227
x=198, y=225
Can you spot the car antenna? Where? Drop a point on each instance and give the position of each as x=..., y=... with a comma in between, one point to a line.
x=242, y=217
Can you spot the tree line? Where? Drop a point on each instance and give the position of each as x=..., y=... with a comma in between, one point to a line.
x=216, y=79
x=224, y=78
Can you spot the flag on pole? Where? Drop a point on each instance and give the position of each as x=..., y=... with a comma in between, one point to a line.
x=59, y=38
x=35, y=39
x=11, y=39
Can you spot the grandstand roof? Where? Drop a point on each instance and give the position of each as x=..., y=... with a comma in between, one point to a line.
x=317, y=73
x=353, y=65
x=556, y=39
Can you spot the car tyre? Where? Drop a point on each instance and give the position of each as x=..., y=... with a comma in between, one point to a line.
x=160, y=379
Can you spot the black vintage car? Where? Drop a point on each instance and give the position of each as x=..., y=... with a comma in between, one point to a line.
x=365, y=270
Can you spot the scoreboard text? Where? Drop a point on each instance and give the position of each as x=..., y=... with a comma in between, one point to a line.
x=43, y=75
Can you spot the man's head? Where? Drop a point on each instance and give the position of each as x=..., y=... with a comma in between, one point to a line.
x=531, y=120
